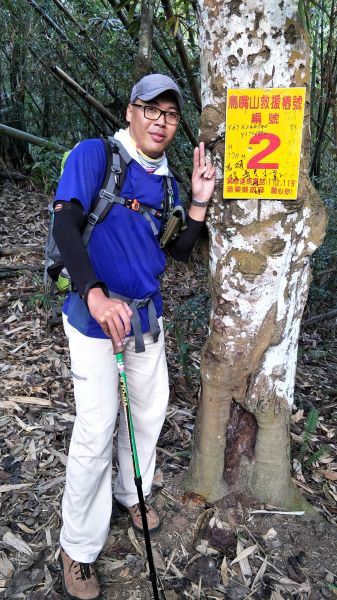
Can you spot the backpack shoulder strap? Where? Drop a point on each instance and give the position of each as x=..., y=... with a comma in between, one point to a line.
x=122, y=152
x=117, y=160
x=108, y=154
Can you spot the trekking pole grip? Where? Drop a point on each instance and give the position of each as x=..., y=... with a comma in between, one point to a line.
x=117, y=349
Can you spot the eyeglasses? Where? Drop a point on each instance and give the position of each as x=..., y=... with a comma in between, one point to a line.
x=153, y=114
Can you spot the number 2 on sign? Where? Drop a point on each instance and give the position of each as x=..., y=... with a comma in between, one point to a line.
x=274, y=142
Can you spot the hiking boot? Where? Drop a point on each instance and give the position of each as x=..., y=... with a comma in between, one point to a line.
x=79, y=579
x=153, y=521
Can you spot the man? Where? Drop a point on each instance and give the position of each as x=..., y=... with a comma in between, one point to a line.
x=124, y=258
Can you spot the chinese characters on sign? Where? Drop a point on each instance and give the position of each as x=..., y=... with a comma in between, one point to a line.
x=263, y=143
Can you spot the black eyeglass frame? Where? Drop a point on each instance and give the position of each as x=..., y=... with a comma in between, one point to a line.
x=162, y=112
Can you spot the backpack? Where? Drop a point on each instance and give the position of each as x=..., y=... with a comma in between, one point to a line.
x=117, y=159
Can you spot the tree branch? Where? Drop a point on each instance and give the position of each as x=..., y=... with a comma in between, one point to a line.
x=87, y=97
x=67, y=91
x=328, y=316
x=27, y=137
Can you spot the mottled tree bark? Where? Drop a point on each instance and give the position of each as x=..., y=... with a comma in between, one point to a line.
x=259, y=263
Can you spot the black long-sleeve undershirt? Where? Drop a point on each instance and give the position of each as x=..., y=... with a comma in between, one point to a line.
x=183, y=245
x=67, y=230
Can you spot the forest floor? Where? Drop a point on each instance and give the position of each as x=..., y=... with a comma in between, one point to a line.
x=226, y=550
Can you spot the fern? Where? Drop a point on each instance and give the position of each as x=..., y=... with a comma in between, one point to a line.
x=310, y=426
x=317, y=455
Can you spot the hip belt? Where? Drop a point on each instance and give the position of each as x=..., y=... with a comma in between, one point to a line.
x=135, y=319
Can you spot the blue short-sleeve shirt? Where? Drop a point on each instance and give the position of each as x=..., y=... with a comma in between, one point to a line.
x=123, y=250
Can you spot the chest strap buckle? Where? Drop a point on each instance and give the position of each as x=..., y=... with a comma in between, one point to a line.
x=135, y=205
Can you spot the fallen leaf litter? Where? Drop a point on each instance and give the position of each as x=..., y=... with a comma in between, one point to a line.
x=202, y=551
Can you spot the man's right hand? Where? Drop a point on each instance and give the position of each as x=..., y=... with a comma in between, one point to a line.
x=113, y=315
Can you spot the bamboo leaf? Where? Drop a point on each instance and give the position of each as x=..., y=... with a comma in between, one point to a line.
x=259, y=575
x=134, y=541
x=331, y=475
x=11, y=487
x=244, y=553
x=224, y=571
x=17, y=543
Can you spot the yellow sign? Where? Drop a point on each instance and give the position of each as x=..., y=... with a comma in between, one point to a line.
x=263, y=143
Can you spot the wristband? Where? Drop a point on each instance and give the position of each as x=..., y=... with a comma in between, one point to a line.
x=200, y=203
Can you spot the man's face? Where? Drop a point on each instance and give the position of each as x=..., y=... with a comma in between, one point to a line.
x=152, y=137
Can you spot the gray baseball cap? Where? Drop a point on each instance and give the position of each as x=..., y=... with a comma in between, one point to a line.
x=150, y=86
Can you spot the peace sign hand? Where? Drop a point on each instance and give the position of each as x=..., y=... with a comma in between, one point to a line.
x=203, y=176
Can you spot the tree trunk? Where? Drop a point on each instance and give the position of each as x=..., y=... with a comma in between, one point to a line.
x=144, y=54
x=259, y=267
x=181, y=50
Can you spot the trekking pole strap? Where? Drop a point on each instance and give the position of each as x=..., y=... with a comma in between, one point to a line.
x=135, y=319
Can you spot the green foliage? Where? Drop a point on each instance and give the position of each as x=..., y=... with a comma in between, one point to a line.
x=183, y=347
x=94, y=43
x=46, y=168
x=317, y=455
x=41, y=299
x=41, y=296
x=331, y=586
x=310, y=426
x=323, y=289
x=190, y=317
x=306, y=456
x=321, y=21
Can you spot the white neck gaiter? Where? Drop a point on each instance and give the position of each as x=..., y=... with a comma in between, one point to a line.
x=158, y=166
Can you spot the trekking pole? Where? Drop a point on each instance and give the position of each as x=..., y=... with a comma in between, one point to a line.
x=138, y=478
